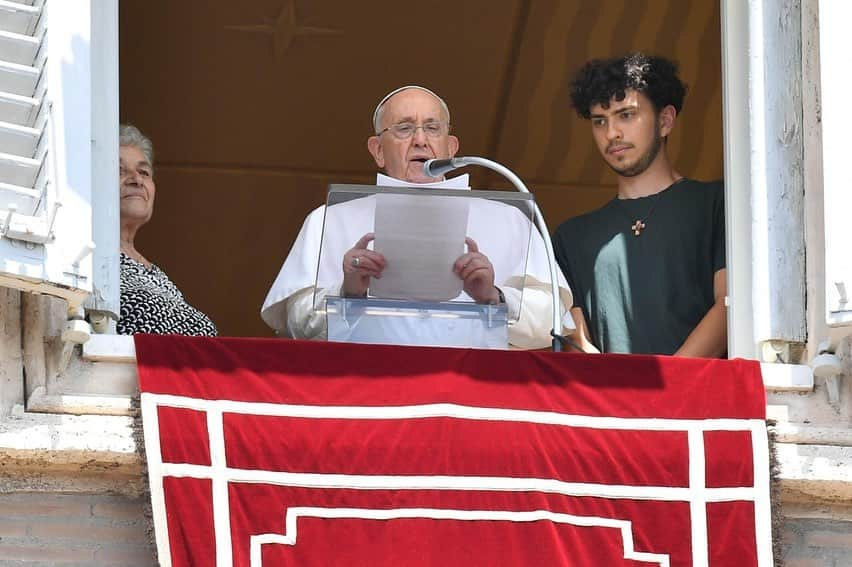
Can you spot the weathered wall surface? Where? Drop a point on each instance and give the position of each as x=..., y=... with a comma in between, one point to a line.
x=46, y=528
x=810, y=542
x=11, y=369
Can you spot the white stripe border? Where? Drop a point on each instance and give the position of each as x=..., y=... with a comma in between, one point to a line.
x=290, y=537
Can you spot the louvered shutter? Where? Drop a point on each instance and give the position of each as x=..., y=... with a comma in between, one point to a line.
x=51, y=163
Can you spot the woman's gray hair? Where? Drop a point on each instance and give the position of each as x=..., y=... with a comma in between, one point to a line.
x=129, y=135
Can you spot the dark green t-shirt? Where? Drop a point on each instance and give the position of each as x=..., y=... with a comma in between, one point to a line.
x=646, y=293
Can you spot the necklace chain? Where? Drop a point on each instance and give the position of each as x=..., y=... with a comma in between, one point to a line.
x=639, y=224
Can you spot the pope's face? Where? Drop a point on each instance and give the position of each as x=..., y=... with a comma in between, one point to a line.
x=404, y=158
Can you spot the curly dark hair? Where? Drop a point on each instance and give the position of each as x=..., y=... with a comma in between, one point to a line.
x=601, y=80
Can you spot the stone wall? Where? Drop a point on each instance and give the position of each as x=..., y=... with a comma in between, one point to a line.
x=816, y=542
x=53, y=528
x=815, y=453
x=11, y=366
x=49, y=528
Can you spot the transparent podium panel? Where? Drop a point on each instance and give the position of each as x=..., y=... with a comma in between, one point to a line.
x=399, y=322
x=421, y=234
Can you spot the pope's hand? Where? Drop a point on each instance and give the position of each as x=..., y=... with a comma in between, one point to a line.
x=359, y=265
x=477, y=273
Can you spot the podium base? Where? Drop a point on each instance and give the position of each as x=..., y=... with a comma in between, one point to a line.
x=397, y=322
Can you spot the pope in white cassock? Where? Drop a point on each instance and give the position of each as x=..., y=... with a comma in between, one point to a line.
x=412, y=125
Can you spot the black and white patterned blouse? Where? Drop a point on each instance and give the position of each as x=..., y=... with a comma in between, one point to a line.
x=151, y=303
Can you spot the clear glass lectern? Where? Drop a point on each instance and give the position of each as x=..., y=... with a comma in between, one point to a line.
x=421, y=232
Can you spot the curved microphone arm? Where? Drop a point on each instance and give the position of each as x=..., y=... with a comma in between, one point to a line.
x=439, y=167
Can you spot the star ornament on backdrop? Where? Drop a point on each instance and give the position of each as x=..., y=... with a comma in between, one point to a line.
x=284, y=29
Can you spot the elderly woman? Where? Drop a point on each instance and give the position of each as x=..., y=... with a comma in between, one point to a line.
x=150, y=302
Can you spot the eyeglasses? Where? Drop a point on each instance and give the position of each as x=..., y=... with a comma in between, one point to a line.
x=405, y=130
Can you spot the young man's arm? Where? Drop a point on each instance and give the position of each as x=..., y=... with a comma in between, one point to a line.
x=710, y=338
x=581, y=334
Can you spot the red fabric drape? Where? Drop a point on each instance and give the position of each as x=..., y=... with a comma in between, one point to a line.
x=377, y=455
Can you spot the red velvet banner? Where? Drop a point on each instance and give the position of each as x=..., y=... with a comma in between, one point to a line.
x=274, y=452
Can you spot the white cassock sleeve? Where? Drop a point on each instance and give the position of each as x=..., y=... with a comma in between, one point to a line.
x=288, y=307
x=301, y=320
x=532, y=328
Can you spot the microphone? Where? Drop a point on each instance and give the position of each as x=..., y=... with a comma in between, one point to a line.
x=438, y=168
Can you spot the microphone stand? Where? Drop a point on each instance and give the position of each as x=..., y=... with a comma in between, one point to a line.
x=439, y=167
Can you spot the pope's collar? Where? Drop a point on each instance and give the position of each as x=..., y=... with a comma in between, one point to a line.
x=460, y=182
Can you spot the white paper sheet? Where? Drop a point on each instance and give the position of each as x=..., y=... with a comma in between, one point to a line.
x=421, y=236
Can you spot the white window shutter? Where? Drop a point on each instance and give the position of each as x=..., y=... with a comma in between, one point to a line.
x=50, y=162
x=835, y=84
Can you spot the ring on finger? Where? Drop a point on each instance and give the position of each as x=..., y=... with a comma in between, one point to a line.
x=356, y=261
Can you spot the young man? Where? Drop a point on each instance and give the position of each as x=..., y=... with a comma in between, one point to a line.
x=647, y=269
